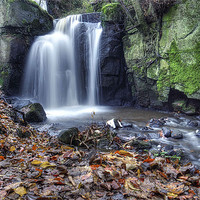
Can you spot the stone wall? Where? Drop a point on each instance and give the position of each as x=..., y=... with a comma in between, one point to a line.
x=20, y=22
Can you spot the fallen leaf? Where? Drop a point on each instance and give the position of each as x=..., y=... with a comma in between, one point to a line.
x=124, y=153
x=46, y=164
x=21, y=191
x=2, y=158
x=12, y=148
x=36, y=162
x=94, y=167
x=34, y=147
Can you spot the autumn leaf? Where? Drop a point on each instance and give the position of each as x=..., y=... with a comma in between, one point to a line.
x=21, y=191
x=2, y=158
x=12, y=148
x=94, y=167
x=34, y=147
x=36, y=162
x=124, y=153
x=46, y=164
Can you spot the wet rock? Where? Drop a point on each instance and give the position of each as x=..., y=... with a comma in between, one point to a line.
x=193, y=123
x=176, y=134
x=166, y=132
x=156, y=123
x=184, y=107
x=168, y=147
x=197, y=133
x=114, y=123
x=69, y=136
x=141, y=145
x=34, y=113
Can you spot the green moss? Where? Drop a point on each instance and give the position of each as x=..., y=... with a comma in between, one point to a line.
x=112, y=12
x=180, y=74
x=184, y=74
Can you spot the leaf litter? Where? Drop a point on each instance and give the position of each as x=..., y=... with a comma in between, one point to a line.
x=39, y=167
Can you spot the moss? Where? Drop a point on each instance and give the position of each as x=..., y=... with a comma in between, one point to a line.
x=112, y=12
x=185, y=74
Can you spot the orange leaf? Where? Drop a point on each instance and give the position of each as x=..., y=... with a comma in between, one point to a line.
x=121, y=181
x=37, y=169
x=94, y=167
x=164, y=175
x=124, y=153
x=2, y=158
x=148, y=160
x=21, y=160
x=34, y=147
x=58, y=179
x=191, y=191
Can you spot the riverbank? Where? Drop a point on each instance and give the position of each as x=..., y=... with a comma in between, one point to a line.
x=35, y=165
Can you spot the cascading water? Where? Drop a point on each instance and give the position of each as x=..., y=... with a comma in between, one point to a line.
x=56, y=73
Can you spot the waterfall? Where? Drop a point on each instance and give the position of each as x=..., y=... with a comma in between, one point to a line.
x=62, y=67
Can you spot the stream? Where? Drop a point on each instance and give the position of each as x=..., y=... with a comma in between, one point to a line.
x=135, y=125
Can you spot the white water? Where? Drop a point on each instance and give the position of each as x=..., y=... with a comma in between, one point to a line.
x=54, y=72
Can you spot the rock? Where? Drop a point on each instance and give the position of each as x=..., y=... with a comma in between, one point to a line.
x=193, y=123
x=20, y=22
x=114, y=123
x=69, y=136
x=141, y=145
x=168, y=147
x=23, y=134
x=34, y=113
x=197, y=133
x=155, y=123
x=152, y=79
x=166, y=132
x=182, y=106
x=176, y=134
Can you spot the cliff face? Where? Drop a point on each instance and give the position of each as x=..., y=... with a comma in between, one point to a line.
x=163, y=55
x=20, y=22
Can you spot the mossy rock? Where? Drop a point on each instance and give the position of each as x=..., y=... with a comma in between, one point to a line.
x=112, y=12
x=69, y=136
x=182, y=106
x=34, y=113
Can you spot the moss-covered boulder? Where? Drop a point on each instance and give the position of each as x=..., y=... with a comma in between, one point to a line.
x=69, y=136
x=34, y=113
x=20, y=22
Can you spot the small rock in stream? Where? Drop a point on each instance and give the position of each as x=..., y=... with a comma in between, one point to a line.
x=166, y=132
x=197, y=133
x=176, y=134
x=114, y=123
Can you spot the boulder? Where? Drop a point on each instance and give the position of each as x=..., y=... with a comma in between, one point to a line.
x=166, y=132
x=69, y=136
x=34, y=113
x=176, y=134
x=184, y=107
